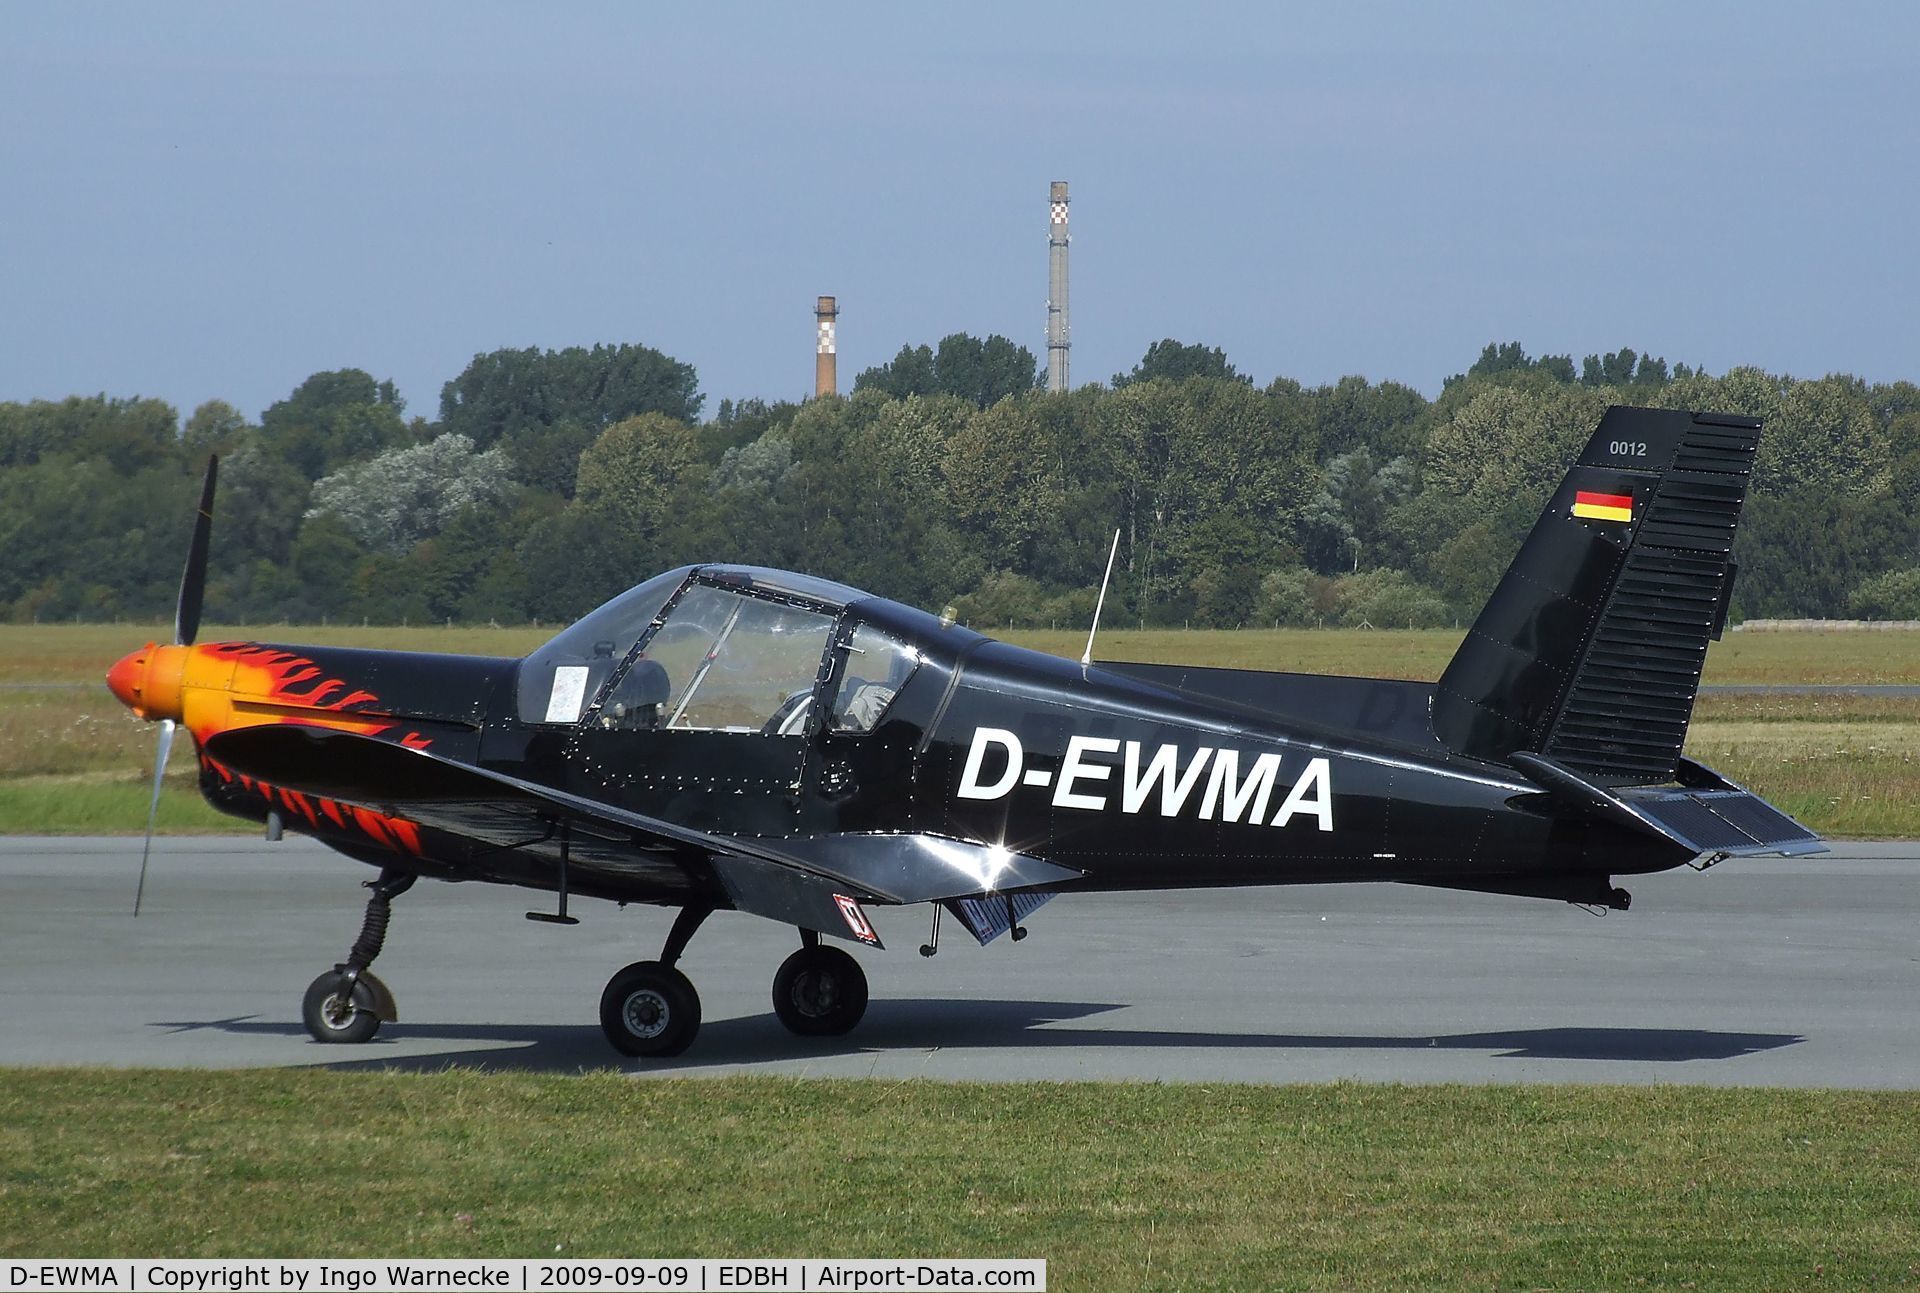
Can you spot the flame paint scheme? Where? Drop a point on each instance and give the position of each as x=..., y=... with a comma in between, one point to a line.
x=734, y=737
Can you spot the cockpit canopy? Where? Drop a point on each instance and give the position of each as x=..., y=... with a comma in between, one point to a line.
x=718, y=648
x=558, y=680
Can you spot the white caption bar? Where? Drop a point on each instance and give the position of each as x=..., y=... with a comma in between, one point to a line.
x=202, y=1275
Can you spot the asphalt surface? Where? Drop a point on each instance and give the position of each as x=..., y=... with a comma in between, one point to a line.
x=1798, y=972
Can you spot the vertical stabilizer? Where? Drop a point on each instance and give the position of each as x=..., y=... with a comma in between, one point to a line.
x=1590, y=650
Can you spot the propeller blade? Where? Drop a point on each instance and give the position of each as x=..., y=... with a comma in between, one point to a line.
x=193, y=580
x=161, y=752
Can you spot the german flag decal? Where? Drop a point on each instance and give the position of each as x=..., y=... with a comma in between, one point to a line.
x=1603, y=507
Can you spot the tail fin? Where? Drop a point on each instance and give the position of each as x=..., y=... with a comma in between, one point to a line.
x=1589, y=652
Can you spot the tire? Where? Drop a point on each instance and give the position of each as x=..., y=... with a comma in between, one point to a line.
x=820, y=992
x=332, y=1019
x=650, y=1011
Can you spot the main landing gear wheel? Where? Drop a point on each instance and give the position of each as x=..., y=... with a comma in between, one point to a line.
x=650, y=1010
x=820, y=992
x=333, y=1012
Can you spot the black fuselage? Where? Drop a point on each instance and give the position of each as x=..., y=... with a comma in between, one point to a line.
x=1139, y=777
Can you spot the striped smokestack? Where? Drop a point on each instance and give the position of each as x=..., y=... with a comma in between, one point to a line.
x=826, y=378
x=1057, y=342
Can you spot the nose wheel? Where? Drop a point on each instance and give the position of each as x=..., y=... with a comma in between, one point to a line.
x=347, y=1004
x=338, y=1010
x=820, y=992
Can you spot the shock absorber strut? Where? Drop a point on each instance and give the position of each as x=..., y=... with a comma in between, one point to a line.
x=373, y=928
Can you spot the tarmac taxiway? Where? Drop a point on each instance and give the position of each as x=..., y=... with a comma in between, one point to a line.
x=1779, y=972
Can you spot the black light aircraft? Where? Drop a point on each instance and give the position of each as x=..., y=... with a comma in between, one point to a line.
x=730, y=737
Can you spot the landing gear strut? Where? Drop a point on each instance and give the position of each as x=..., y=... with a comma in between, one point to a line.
x=650, y=1009
x=347, y=1004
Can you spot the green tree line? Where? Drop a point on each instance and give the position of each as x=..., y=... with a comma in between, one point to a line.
x=551, y=480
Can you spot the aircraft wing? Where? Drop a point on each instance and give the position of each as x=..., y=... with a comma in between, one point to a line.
x=809, y=881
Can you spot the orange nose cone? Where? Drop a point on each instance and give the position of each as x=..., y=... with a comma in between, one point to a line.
x=148, y=680
x=127, y=677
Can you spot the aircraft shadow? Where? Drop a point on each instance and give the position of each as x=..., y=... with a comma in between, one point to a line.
x=925, y=1025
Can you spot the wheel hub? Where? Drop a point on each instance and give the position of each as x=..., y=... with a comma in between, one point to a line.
x=646, y=1014
x=816, y=993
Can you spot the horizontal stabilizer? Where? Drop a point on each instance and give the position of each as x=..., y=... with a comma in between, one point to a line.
x=1731, y=821
x=1705, y=813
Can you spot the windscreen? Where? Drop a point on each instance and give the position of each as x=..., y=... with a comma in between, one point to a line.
x=723, y=661
x=559, y=680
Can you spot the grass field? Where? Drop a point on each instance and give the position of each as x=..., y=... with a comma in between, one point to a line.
x=72, y=761
x=1847, y=766
x=80, y=653
x=1336, y=1187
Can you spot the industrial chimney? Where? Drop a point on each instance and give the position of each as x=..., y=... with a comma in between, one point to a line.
x=826, y=380
x=1057, y=343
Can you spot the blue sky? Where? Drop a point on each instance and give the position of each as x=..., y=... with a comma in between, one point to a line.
x=204, y=201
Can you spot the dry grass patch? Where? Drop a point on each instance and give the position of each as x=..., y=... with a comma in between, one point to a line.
x=1844, y=765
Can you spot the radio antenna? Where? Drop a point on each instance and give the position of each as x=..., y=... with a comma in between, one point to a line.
x=1086, y=657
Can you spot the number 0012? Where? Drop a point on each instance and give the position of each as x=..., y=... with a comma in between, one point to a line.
x=1627, y=448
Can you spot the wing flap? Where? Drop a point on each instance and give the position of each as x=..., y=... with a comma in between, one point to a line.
x=988, y=918
x=795, y=897
x=922, y=868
